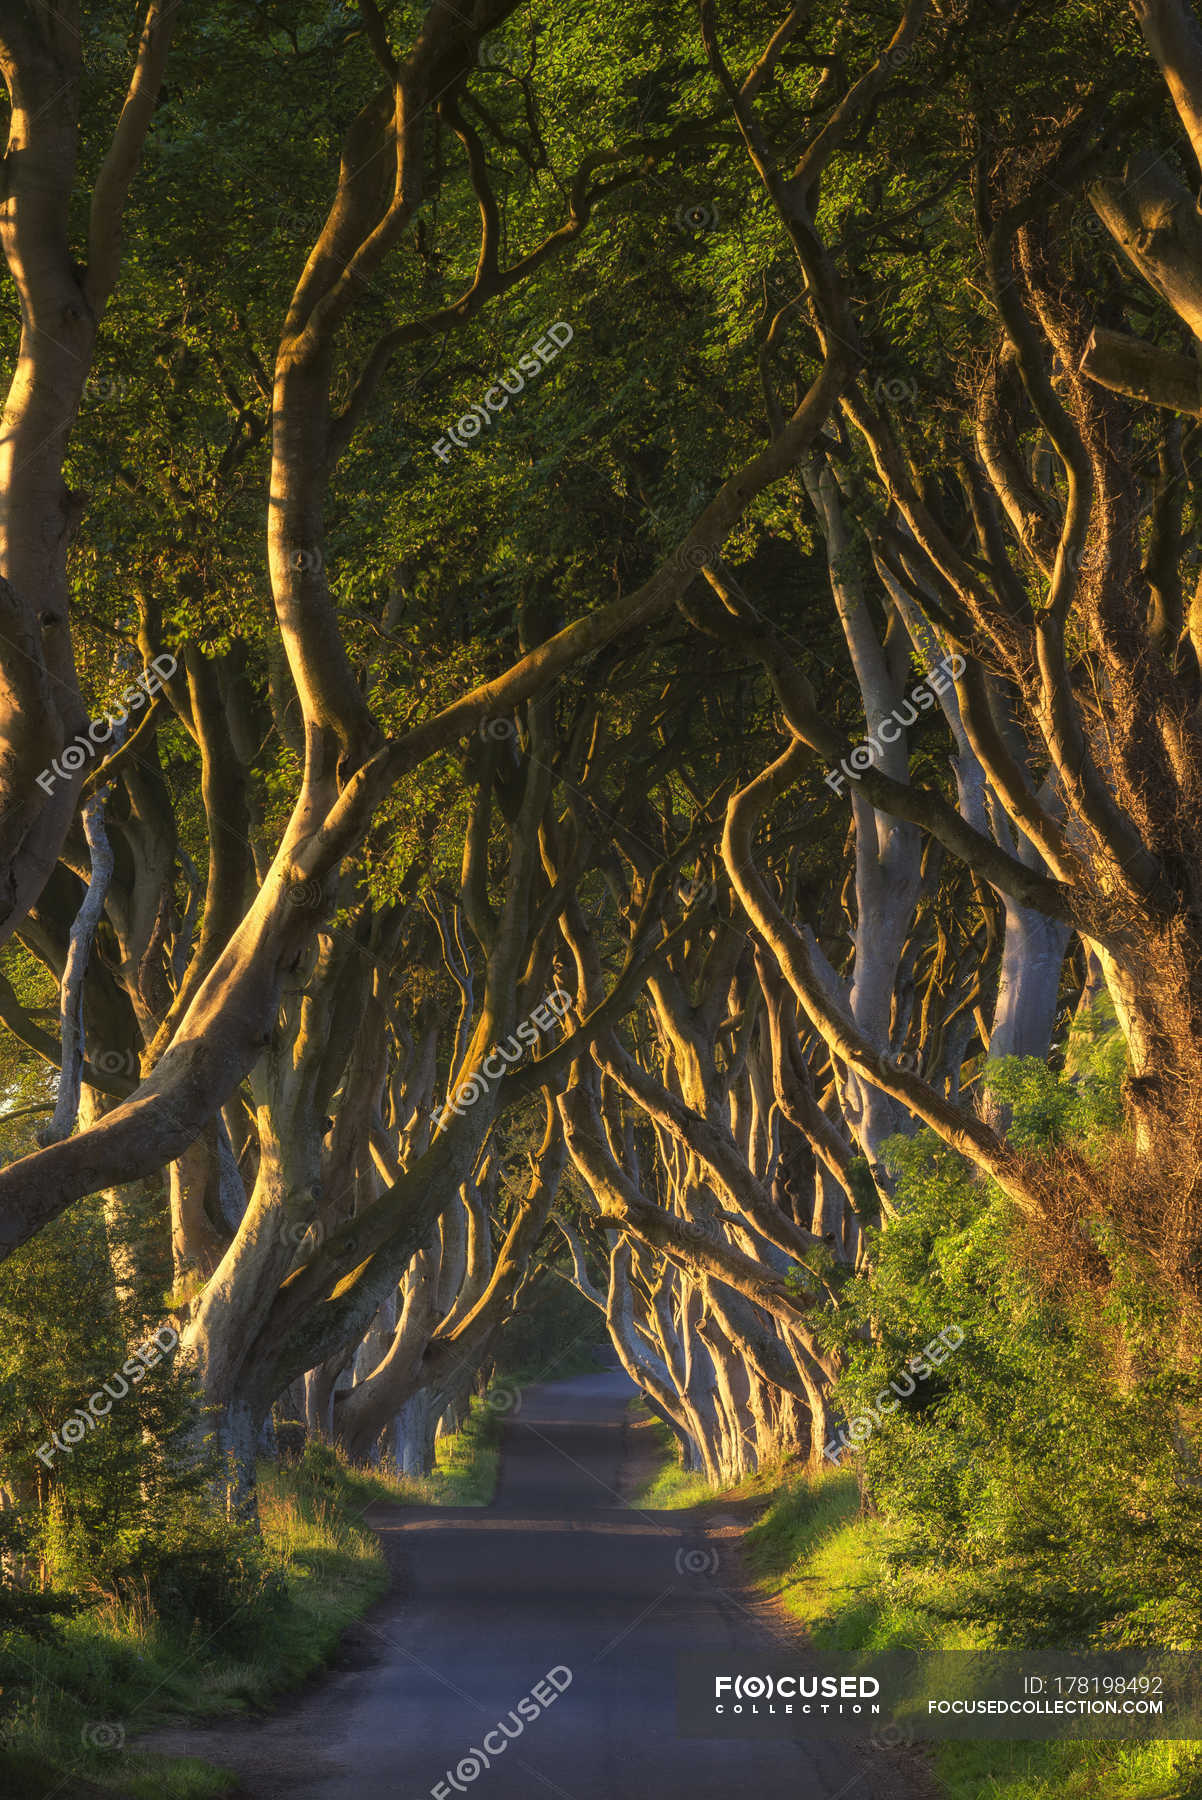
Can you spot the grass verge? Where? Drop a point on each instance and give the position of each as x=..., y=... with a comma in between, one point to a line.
x=669, y=1486
x=814, y=1551
x=467, y=1464
x=665, y=1486
x=70, y=1704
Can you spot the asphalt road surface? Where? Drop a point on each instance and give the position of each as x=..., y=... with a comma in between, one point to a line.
x=556, y=1579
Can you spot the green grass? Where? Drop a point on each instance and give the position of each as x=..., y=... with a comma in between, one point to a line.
x=113, y=1672
x=814, y=1550
x=468, y=1463
x=671, y=1489
x=670, y=1486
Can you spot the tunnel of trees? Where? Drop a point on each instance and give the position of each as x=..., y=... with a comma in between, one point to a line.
x=601, y=646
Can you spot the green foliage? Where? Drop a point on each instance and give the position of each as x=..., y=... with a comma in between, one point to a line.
x=1044, y=1469
x=275, y=1608
x=834, y=1567
x=125, y=1511
x=123, y=1667
x=668, y=1486
x=1082, y=1105
x=32, y=1611
x=467, y=1461
x=553, y=1332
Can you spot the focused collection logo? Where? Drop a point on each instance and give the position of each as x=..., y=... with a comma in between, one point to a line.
x=911, y=1696
x=800, y=1694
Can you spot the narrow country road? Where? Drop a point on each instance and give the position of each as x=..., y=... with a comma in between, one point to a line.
x=556, y=1575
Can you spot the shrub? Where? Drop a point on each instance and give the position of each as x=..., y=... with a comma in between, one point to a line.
x=128, y=1516
x=1041, y=1479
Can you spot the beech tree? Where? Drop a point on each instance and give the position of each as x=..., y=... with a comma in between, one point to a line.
x=805, y=686
x=62, y=295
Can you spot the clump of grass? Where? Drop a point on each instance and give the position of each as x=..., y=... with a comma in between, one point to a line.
x=825, y=1562
x=670, y=1485
x=673, y=1489
x=1065, y=1771
x=468, y=1461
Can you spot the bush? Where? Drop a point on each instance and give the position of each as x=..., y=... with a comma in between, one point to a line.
x=128, y=1515
x=1041, y=1478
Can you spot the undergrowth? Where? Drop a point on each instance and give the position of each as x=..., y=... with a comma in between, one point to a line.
x=76, y=1695
x=829, y=1566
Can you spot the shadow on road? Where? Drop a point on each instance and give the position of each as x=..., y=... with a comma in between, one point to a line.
x=528, y=1649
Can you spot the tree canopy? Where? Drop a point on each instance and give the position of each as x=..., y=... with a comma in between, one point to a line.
x=602, y=685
